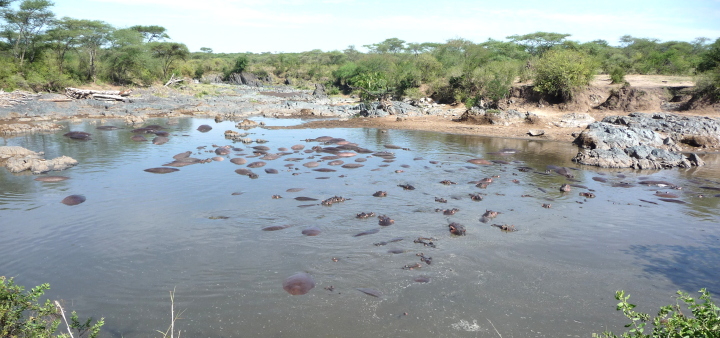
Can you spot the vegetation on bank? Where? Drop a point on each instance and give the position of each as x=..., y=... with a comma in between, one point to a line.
x=670, y=321
x=42, y=52
x=23, y=315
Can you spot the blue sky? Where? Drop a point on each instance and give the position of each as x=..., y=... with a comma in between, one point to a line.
x=302, y=25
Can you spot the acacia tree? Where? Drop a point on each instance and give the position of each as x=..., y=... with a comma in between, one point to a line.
x=127, y=59
x=539, y=42
x=25, y=25
x=64, y=36
x=94, y=34
x=391, y=45
x=151, y=33
x=167, y=53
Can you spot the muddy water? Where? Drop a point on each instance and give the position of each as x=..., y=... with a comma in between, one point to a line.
x=198, y=230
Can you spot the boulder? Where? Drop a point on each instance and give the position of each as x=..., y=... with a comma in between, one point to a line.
x=629, y=145
x=492, y=116
x=603, y=135
x=641, y=157
x=696, y=131
x=245, y=78
x=319, y=91
x=17, y=159
x=536, y=132
x=574, y=120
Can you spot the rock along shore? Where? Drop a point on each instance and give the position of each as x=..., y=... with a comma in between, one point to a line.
x=638, y=140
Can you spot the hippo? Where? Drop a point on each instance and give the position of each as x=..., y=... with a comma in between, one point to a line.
x=456, y=229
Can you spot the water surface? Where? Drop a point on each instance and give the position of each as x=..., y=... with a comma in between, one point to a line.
x=140, y=235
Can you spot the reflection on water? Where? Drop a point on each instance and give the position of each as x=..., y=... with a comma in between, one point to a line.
x=198, y=230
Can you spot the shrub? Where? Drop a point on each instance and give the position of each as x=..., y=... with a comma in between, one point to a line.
x=332, y=90
x=617, y=75
x=708, y=84
x=371, y=86
x=670, y=321
x=414, y=93
x=22, y=316
x=493, y=80
x=240, y=64
x=563, y=72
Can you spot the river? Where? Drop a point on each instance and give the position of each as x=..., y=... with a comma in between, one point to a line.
x=198, y=231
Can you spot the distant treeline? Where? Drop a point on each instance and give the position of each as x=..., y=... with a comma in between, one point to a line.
x=41, y=52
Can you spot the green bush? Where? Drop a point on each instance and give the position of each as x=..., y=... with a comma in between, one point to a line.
x=332, y=90
x=493, y=80
x=414, y=93
x=371, y=86
x=708, y=83
x=617, y=75
x=670, y=321
x=21, y=315
x=240, y=64
x=563, y=73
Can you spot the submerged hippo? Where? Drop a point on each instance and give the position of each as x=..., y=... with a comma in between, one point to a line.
x=456, y=229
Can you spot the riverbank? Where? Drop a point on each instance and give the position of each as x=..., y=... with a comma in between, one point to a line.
x=521, y=116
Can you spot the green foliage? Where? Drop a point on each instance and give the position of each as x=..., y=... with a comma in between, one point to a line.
x=21, y=314
x=493, y=80
x=563, y=73
x=414, y=94
x=708, y=84
x=539, y=42
x=617, y=75
x=332, y=90
x=710, y=59
x=128, y=65
x=41, y=53
x=670, y=321
x=151, y=33
x=167, y=53
x=392, y=45
x=27, y=25
x=240, y=64
x=371, y=86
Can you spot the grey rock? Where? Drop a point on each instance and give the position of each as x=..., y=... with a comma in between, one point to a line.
x=17, y=159
x=319, y=91
x=245, y=78
x=603, y=135
x=574, y=120
x=536, y=132
x=497, y=117
x=605, y=158
x=693, y=130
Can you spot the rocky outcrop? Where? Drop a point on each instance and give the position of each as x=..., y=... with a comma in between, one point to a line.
x=640, y=157
x=628, y=145
x=212, y=78
x=696, y=131
x=497, y=117
x=245, y=78
x=574, y=120
x=319, y=91
x=17, y=159
x=603, y=135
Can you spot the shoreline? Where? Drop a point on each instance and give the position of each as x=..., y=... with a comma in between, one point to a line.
x=227, y=102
